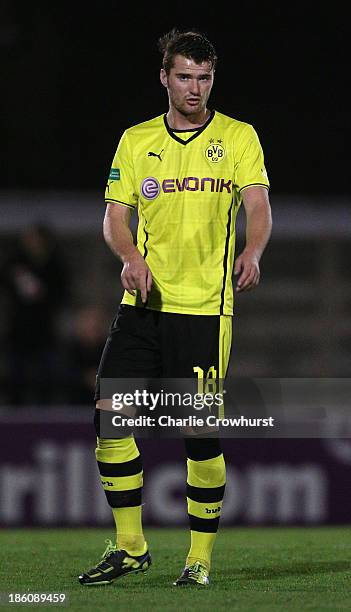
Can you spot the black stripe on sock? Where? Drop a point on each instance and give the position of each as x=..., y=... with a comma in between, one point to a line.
x=214, y=494
x=127, y=468
x=204, y=525
x=124, y=499
x=200, y=449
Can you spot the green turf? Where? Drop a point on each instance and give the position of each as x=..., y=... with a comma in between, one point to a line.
x=253, y=569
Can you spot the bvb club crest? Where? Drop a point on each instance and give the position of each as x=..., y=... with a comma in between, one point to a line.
x=215, y=152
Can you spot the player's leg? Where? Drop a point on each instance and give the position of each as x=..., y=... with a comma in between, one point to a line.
x=205, y=490
x=121, y=473
x=203, y=346
x=130, y=352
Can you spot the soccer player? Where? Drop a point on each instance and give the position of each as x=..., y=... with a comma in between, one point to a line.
x=187, y=173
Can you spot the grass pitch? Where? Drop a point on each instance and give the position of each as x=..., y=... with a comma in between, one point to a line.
x=252, y=569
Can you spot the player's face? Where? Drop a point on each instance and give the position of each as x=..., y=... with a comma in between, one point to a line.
x=189, y=85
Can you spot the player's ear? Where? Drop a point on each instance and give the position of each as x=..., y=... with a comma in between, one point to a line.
x=163, y=77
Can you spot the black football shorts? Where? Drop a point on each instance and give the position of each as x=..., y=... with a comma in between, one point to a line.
x=145, y=343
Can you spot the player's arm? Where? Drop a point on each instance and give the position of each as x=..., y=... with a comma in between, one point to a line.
x=136, y=273
x=258, y=231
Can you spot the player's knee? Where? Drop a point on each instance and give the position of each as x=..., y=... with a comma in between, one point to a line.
x=103, y=420
x=104, y=404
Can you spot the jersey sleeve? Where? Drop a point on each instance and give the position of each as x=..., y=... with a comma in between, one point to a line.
x=120, y=186
x=250, y=169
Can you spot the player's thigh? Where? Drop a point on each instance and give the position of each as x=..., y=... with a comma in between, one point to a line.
x=131, y=351
x=132, y=348
x=196, y=345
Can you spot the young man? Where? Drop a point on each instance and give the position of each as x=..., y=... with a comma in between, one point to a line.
x=187, y=172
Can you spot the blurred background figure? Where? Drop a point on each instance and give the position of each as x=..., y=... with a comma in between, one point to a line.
x=83, y=352
x=35, y=282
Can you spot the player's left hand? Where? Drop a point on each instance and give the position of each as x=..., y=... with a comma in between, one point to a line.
x=248, y=269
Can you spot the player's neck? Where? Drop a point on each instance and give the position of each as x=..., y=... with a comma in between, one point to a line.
x=177, y=121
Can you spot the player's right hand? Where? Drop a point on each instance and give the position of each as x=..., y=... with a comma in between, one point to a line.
x=136, y=274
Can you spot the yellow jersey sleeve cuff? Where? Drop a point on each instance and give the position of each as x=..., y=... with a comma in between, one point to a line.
x=254, y=185
x=112, y=201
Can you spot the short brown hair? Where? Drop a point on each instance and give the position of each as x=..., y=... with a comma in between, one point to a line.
x=192, y=45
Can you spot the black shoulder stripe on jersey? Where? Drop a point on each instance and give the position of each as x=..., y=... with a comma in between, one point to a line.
x=254, y=185
x=225, y=258
x=111, y=201
x=195, y=135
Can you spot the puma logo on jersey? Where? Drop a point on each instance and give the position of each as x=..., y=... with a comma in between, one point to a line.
x=151, y=154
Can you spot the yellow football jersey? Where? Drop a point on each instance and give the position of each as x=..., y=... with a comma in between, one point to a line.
x=187, y=188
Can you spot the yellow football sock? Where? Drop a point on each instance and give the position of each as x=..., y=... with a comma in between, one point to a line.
x=129, y=530
x=205, y=490
x=201, y=548
x=122, y=479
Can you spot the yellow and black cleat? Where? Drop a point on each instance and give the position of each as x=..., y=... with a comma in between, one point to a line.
x=114, y=564
x=195, y=574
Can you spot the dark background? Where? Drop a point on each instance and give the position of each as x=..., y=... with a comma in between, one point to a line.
x=76, y=74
